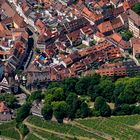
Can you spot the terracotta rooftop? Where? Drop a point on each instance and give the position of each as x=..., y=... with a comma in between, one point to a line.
x=105, y=27
x=3, y=107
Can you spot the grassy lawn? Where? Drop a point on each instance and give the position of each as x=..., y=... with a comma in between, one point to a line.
x=85, y=98
x=8, y=130
x=61, y=128
x=31, y=136
x=115, y=126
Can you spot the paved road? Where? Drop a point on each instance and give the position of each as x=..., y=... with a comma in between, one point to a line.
x=20, y=12
x=25, y=90
x=40, y=137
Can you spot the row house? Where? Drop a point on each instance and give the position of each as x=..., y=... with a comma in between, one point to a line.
x=127, y=68
x=71, y=58
x=113, y=69
x=134, y=23
x=8, y=11
x=76, y=24
x=135, y=43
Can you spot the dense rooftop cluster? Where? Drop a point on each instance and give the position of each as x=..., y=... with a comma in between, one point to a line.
x=66, y=59
x=71, y=38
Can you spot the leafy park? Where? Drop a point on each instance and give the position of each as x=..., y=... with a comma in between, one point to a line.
x=94, y=107
x=72, y=97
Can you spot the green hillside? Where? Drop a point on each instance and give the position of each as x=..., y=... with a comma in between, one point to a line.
x=96, y=128
x=121, y=127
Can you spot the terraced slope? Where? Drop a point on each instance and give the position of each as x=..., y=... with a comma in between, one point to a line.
x=9, y=131
x=123, y=128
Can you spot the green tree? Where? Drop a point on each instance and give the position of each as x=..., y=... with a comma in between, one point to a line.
x=69, y=84
x=36, y=95
x=101, y=106
x=95, y=79
x=74, y=103
x=136, y=110
x=57, y=94
x=60, y=109
x=105, y=111
x=119, y=88
x=136, y=8
x=78, y=113
x=84, y=110
x=23, y=129
x=94, y=91
x=54, y=84
x=136, y=88
x=99, y=102
x=71, y=97
x=126, y=35
x=9, y=99
x=125, y=108
x=82, y=85
x=48, y=98
x=128, y=95
x=95, y=113
x=47, y=112
x=37, y=50
x=107, y=89
x=93, y=42
x=22, y=112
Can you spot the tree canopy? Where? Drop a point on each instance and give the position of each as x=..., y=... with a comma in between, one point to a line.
x=9, y=99
x=22, y=112
x=47, y=112
x=68, y=99
x=101, y=106
x=136, y=8
x=60, y=110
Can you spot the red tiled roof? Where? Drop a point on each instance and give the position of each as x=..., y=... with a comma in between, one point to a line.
x=116, y=37
x=3, y=107
x=105, y=27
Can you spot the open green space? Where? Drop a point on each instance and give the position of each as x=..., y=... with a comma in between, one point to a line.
x=47, y=135
x=67, y=129
x=8, y=130
x=31, y=136
x=10, y=133
x=117, y=127
x=4, y=126
x=136, y=8
x=128, y=120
